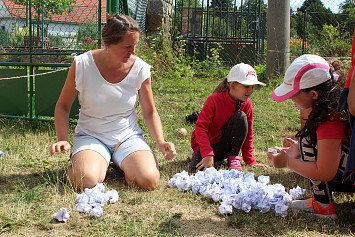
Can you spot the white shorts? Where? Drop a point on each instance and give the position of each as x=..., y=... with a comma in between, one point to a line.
x=82, y=141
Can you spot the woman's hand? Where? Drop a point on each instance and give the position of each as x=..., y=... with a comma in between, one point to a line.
x=58, y=147
x=260, y=165
x=168, y=150
x=205, y=163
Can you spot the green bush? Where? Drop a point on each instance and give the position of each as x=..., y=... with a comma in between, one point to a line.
x=330, y=42
x=16, y=37
x=88, y=35
x=169, y=59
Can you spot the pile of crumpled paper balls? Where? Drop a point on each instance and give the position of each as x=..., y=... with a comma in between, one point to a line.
x=234, y=189
x=90, y=201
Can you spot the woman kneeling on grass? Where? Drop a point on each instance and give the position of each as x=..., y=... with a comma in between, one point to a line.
x=108, y=83
x=322, y=148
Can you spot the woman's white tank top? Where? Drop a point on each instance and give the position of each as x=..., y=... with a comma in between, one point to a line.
x=108, y=110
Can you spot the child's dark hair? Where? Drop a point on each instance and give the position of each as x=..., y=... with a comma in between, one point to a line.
x=117, y=27
x=325, y=107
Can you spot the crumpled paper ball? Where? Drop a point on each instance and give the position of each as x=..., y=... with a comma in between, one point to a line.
x=62, y=215
x=297, y=193
x=93, y=199
x=234, y=189
x=272, y=150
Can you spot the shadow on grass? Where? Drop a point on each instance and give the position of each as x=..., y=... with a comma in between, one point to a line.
x=176, y=225
x=267, y=224
x=255, y=223
x=57, y=179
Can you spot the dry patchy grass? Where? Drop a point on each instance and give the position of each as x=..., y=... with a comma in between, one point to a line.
x=34, y=185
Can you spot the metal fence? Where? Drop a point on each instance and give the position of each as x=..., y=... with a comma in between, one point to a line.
x=38, y=43
x=323, y=29
x=69, y=30
x=320, y=27
x=238, y=26
x=76, y=27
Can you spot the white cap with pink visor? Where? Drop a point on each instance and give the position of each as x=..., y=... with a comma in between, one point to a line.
x=304, y=72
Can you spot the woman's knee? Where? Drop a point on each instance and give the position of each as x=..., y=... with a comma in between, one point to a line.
x=147, y=179
x=81, y=179
x=87, y=169
x=150, y=181
x=141, y=169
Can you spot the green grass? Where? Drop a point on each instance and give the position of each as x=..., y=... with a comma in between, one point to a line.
x=34, y=185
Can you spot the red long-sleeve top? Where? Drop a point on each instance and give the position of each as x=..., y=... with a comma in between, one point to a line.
x=212, y=122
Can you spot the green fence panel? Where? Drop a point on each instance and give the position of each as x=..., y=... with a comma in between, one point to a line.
x=48, y=88
x=13, y=92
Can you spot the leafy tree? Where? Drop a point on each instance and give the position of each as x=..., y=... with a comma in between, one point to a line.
x=347, y=4
x=222, y=5
x=347, y=10
x=317, y=15
x=252, y=5
x=186, y=3
x=47, y=8
x=87, y=30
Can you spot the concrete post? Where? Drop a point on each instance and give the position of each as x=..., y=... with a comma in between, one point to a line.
x=278, y=37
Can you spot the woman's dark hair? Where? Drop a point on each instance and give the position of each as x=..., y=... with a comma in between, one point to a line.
x=117, y=27
x=325, y=107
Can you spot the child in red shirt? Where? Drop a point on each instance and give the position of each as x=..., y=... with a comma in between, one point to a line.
x=321, y=151
x=225, y=123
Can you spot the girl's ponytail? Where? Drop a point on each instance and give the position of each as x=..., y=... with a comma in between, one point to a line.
x=337, y=73
x=223, y=86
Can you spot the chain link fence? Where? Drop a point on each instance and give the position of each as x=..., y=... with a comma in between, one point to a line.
x=322, y=27
x=72, y=28
x=234, y=28
x=137, y=10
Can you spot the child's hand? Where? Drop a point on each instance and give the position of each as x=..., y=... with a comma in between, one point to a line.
x=58, y=147
x=292, y=148
x=260, y=165
x=168, y=150
x=288, y=141
x=205, y=163
x=279, y=159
